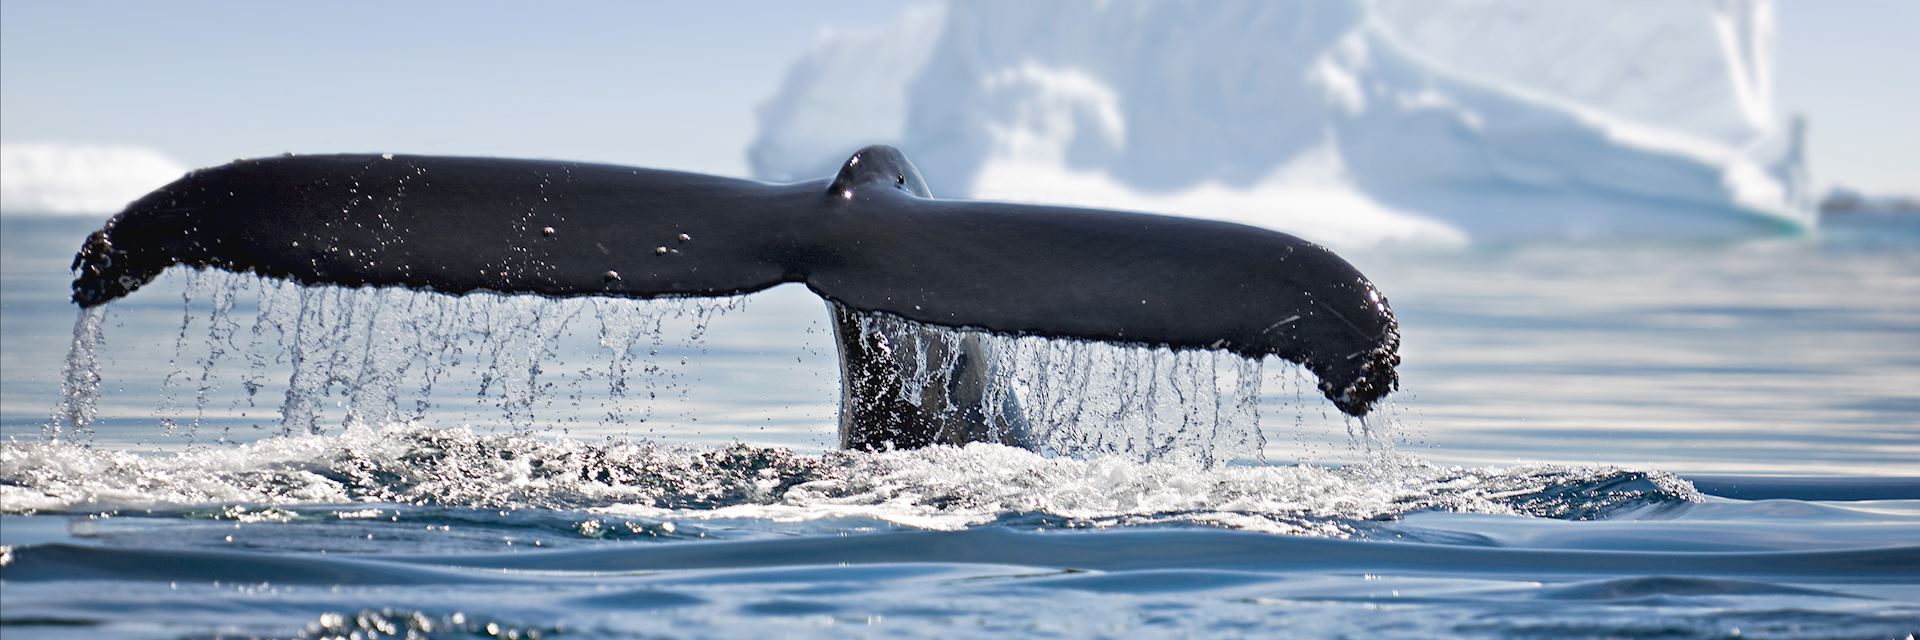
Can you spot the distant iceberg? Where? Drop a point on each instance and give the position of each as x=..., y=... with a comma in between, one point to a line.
x=79, y=179
x=1843, y=199
x=1348, y=122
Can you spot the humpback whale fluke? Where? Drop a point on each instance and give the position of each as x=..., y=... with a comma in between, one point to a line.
x=870, y=239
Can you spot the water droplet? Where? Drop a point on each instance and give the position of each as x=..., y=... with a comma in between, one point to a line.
x=661, y=251
x=547, y=231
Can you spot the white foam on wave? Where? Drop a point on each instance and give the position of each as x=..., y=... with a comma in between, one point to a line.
x=933, y=488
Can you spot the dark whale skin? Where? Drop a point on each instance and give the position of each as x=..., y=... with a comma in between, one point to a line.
x=871, y=239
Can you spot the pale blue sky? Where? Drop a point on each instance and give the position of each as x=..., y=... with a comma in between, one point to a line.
x=657, y=83
x=670, y=84
x=1853, y=67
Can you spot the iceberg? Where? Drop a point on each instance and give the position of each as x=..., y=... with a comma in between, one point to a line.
x=1349, y=122
x=1843, y=199
x=96, y=180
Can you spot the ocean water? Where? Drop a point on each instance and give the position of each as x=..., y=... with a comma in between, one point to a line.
x=1698, y=440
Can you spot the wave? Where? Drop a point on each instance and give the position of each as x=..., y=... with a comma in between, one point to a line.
x=941, y=488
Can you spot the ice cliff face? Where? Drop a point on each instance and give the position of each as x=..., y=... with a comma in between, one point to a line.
x=1347, y=121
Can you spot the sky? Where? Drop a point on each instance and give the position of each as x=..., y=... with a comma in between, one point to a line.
x=665, y=84
x=1852, y=67
x=670, y=84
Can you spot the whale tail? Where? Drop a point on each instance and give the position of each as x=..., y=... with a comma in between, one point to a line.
x=905, y=385
x=870, y=239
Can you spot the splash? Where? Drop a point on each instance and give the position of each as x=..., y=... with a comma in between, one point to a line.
x=938, y=487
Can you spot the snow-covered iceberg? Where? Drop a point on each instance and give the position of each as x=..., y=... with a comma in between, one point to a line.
x=79, y=179
x=1351, y=122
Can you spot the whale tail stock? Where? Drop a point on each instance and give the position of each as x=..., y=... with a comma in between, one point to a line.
x=870, y=239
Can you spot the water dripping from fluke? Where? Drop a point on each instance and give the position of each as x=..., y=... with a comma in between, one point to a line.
x=379, y=356
x=80, y=379
x=374, y=356
x=1064, y=397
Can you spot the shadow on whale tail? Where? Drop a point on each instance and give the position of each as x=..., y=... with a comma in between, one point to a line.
x=869, y=240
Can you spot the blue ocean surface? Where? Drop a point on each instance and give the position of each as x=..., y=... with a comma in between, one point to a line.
x=1625, y=440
